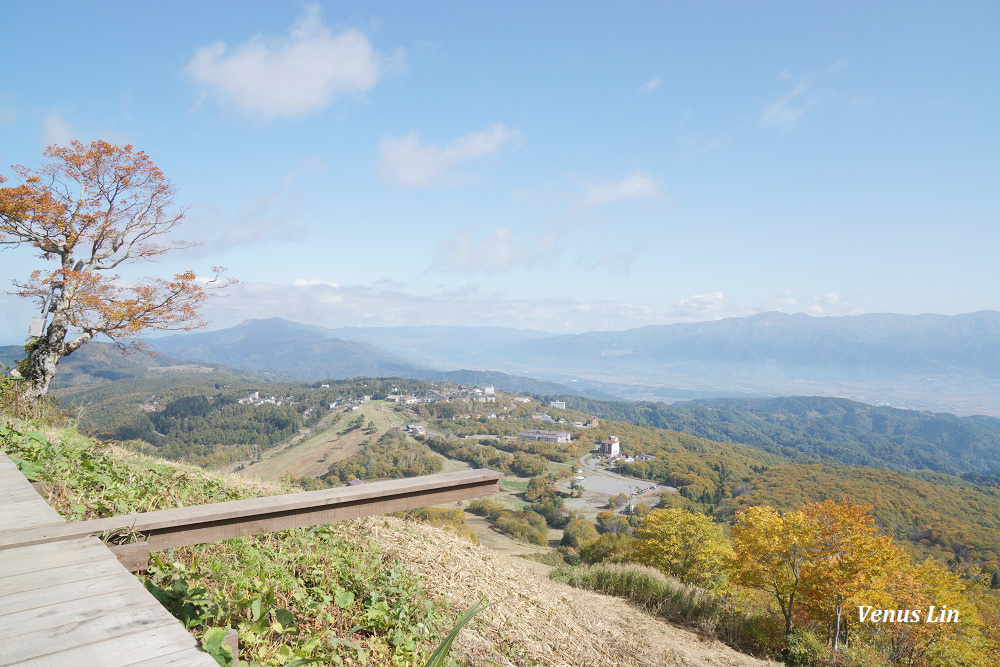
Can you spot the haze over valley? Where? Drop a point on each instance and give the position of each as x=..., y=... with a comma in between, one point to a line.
x=927, y=362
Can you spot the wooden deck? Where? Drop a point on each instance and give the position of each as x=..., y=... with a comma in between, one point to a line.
x=66, y=599
x=70, y=603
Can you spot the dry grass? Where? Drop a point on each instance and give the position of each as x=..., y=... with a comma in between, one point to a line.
x=539, y=622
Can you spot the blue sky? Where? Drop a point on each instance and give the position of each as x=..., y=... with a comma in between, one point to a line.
x=561, y=166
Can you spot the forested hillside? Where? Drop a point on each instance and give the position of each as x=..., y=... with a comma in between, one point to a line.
x=833, y=430
x=184, y=419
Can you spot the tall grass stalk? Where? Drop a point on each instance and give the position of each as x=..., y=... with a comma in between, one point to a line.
x=438, y=657
x=677, y=602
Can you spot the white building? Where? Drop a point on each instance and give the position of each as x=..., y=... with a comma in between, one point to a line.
x=611, y=446
x=546, y=436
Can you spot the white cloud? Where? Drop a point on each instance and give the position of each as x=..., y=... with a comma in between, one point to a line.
x=289, y=76
x=268, y=218
x=497, y=252
x=700, y=306
x=620, y=262
x=405, y=161
x=634, y=186
x=312, y=282
x=780, y=302
x=839, y=65
x=57, y=130
x=789, y=108
x=7, y=117
x=327, y=303
x=696, y=145
x=651, y=86
x=330, y=305
x=831, y=304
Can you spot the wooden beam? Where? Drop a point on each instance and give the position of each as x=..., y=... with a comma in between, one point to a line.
x=135, y=556
x=165, y=529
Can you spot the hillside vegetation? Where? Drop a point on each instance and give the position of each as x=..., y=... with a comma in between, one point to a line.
x=820, y=429
x=377, y=591
x=721, y=455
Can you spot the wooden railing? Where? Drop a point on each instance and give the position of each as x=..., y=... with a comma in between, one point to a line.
x=165, y=529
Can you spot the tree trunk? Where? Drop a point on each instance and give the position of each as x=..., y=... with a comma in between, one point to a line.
x=41, y=366
x=52, y=346
x=836, y=634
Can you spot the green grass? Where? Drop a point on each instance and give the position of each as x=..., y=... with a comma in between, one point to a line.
x=514, y=484
x=308, y=594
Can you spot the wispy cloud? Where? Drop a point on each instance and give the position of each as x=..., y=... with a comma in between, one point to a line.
x=329, y=304
x=651, y=86
x=267, y=218
x=697, y=145
x=406, y=161
x=701, y=306
x=288, y=76
x=621, y=261
x=321, y=301
x=634, y=186
x=497, y=252
x=789, y=108
x=832, y=304
x=57, y=130
x=779, y=302
x=804, y=96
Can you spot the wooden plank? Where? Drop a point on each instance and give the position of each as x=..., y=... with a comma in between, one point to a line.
x=10, y=585
x=222, y=530
x=219, y=521
x=12, y=489
x=21, y=504
x=33, y=512
x=85, y=583
x=72, y=603
x=162, y=645
x=91, y=629
x=43, y=557
x=103, y=611
x=182, y=658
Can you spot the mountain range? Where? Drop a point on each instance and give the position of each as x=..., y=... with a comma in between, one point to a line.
x=939, y=362
x=926, y=362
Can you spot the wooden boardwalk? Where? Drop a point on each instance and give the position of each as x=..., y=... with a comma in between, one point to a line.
x=67, y=600
x=70, y=603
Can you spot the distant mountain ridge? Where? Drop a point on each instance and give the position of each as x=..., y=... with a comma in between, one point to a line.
x=309, y=352
x=299, y=350
x=885, y=342
x=945, y=363
x=942, y=362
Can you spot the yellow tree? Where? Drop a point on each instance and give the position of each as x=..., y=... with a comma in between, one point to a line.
x=771, y=552
x=847, y=560
x=684, y=545
x=949, y=631
x=91, y=208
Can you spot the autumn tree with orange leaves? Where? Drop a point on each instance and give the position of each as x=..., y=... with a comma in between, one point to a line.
x=91, y=208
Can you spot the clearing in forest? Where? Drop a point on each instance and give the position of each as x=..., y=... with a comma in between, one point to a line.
x=313, y=457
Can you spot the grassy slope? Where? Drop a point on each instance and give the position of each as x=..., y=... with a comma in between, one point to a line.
x=313, y=457
x=539, y=622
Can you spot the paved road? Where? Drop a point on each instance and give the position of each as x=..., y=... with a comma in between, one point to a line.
x=602, y=481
